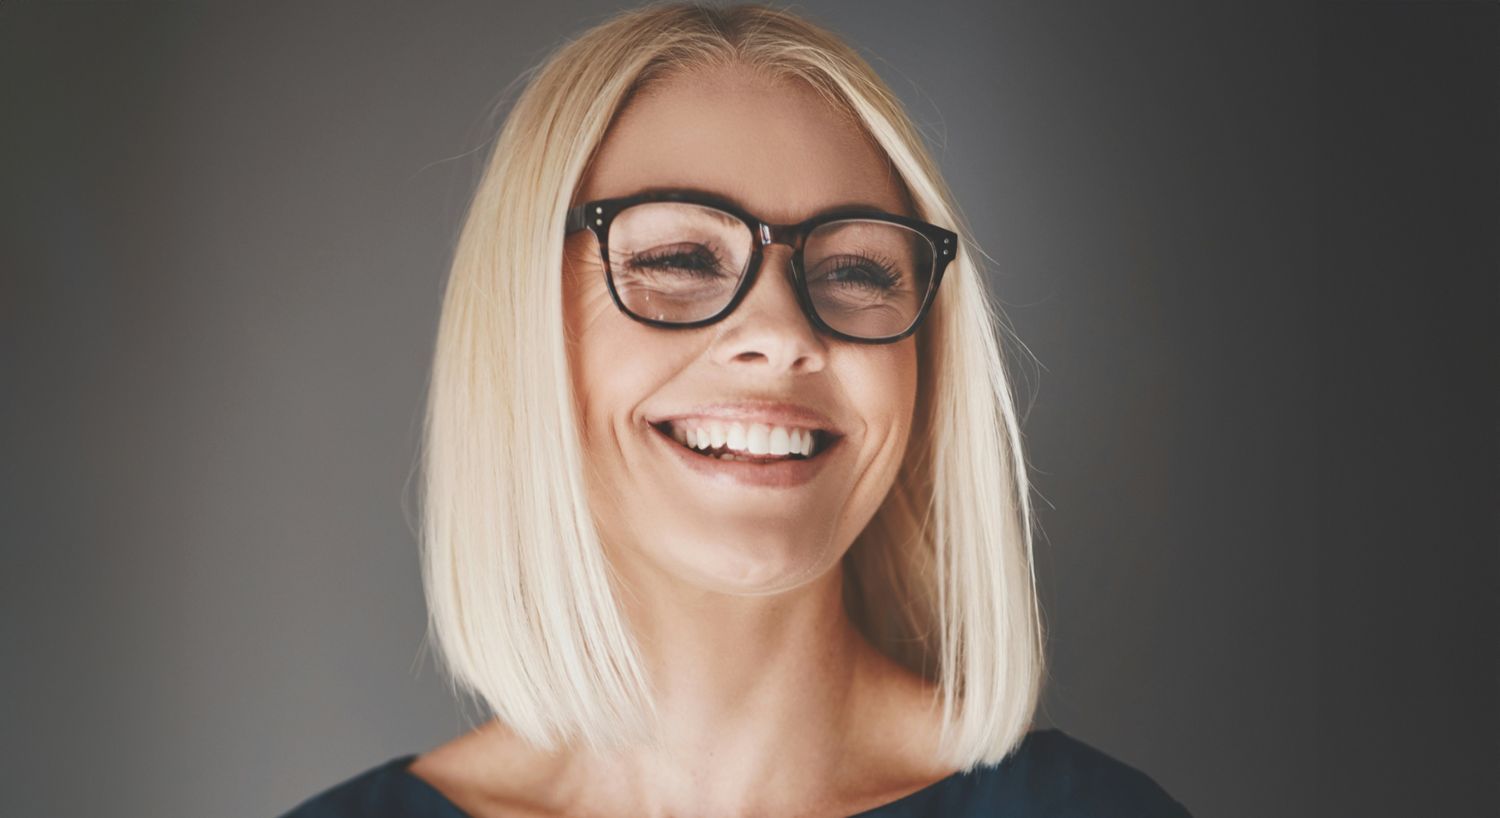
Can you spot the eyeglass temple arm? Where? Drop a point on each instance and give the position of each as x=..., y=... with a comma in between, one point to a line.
x=576, y=220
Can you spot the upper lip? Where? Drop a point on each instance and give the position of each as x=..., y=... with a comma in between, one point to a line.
x=769, y=412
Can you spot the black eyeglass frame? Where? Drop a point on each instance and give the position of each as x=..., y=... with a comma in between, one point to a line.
x=598, y=215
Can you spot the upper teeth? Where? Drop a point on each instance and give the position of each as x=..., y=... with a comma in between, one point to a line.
x=754, y=438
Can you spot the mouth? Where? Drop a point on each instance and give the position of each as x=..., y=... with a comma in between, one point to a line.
x=757, y=443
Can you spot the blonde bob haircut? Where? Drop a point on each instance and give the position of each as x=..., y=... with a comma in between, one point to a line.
x=521, y=601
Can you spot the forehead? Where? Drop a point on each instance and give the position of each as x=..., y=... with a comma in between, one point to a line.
x=776, y=147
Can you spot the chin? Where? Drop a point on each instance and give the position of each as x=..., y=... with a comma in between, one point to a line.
x=755, y=563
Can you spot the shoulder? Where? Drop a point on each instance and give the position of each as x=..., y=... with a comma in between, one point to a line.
x=383, y=791
x=1056, y=775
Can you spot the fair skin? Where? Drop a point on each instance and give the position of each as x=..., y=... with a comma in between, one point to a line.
x=771, y=701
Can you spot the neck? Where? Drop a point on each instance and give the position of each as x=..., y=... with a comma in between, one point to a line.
x=751, y=691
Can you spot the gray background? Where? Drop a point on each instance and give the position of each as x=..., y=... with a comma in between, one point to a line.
x=1251, y=249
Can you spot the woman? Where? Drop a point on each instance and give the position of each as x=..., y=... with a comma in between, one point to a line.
x=725, y=511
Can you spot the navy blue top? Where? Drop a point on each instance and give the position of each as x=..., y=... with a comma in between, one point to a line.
x=1050, y=775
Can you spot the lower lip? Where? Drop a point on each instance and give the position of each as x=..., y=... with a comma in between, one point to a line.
x=779, y=474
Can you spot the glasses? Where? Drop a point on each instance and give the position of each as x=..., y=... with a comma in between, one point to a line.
x=686, y=259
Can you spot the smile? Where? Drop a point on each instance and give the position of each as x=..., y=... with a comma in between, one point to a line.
x=750, y=459
x=745, y=442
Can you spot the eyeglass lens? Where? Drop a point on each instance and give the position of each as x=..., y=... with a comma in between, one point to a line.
x=679, y=263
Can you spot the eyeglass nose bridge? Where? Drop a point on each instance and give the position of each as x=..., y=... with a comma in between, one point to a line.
x=789, y=234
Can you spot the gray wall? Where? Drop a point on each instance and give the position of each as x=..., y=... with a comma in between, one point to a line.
x=1261, y=428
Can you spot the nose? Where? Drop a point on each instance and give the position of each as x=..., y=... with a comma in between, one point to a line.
x=768, y=330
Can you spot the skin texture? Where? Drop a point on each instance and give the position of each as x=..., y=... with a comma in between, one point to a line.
x=772, y=702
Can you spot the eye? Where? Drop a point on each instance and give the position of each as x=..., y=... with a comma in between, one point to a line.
x=693, y=260
x=861, y=272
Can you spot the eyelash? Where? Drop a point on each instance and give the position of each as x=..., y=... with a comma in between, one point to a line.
x=703, y=261
x=878, y=271
x=881, y=272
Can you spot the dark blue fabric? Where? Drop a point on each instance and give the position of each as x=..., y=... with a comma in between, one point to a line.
x=1051, y=775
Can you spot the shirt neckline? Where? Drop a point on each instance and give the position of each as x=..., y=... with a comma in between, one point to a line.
x=403, y=763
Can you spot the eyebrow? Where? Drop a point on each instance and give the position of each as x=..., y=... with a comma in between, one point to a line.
x=722, y=198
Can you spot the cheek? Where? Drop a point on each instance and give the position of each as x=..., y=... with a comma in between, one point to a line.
x=887, y=386
x=592, y=332
x=616, y=363
x=885, y=390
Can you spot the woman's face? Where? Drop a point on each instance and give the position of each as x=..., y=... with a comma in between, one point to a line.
x=783, y=154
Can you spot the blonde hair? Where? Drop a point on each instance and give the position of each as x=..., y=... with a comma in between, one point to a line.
x=521, y=606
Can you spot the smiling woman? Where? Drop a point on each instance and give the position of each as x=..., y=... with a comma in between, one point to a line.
x=725, y=509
